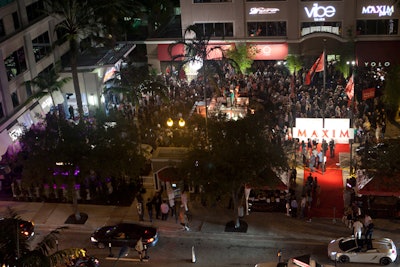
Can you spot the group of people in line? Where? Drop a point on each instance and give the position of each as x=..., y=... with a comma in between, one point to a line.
x=164, y=208
x=361, y=225
x=310, y=197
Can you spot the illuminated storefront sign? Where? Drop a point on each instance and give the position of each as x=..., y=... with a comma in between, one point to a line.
x=319, y=13
x=263, y=10
x=377, y=64
x=381, y=11
x=336, y=129
x=267, y=51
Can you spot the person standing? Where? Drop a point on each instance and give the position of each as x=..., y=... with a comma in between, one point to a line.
x=164, y=210
x=157, y=204
x=332, y=148
x=368, y=235
x=149, y=206
x=303, y=205
x=357, y=228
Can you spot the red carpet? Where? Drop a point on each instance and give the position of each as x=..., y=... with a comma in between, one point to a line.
x=331, y=184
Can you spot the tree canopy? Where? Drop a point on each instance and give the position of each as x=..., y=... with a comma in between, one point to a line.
x=241, y=153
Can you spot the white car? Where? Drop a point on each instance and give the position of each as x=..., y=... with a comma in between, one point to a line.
x=345, y=249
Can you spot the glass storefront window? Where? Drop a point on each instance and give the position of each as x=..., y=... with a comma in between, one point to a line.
x=377, y=27
x=321, y=26
x=269, y=28
x=216, y=29
x=15, y=63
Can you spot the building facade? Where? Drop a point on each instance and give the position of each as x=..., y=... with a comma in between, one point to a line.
x=27, y=38
x=298, y=27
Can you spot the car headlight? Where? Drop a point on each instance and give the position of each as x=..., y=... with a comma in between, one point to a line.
x=332, y=241
x=93, y=239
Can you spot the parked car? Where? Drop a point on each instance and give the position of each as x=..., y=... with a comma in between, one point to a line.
x=124, y=234
x=348, y=249
x=27, y=228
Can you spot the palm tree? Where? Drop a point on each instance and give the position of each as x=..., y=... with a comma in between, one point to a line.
x=133, y=85
x=79, y=21
x=48, y=83
x=15, y=249
x=197, y=50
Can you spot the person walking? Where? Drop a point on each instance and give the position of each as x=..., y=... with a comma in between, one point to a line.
x=141, y=249
x=149, y=206
x=184, y=219
x=294, y=206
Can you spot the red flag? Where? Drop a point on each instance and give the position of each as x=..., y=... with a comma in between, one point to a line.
x=350, y=88
x=318, y=66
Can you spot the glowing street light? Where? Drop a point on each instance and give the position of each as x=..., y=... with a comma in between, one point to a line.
x=181, y=122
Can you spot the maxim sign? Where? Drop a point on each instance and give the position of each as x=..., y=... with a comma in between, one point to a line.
x=336, y=129
x=381, y=11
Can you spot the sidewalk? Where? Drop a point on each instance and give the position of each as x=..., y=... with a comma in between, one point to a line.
x=206, y=222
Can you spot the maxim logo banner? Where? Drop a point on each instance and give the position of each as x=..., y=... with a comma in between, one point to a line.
x=318, y=128
x=381, y=11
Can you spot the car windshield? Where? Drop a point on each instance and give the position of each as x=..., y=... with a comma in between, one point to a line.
x=347, y=245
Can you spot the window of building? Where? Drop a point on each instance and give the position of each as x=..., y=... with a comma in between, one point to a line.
x=216, y=29
x=321, y=26
x=5, y=2
x=14, y=99
x=1, y=111
x=2, y=30
x=377, y=27
x=15, y=63
x=34, y=11
x=263, y=0
x=210, y=1
x=41, y=46
x=269, y=28
x=17, y=25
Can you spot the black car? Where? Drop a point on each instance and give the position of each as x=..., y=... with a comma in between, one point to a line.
x=124, y=234
x=26, y=228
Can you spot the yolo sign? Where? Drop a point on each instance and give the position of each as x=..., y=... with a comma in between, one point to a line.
x=319, y=13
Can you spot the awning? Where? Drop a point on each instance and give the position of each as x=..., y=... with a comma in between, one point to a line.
x=382, y=186
x=163, y=51
x=214, y=51
x=169, y=175
x=270, y=51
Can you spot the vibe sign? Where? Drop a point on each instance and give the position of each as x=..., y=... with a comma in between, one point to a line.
x=319, y=13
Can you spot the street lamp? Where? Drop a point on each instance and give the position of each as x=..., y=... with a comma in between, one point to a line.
x=181, y=122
